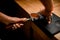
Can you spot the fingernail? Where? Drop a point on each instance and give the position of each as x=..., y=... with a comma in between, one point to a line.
x=21, y=24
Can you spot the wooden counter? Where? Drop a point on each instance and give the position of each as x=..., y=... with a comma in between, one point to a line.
x=34, y=6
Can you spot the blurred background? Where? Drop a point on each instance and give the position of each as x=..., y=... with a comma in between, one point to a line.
x=34, y=6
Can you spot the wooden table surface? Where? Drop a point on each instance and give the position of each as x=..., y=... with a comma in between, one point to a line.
x=34, y=6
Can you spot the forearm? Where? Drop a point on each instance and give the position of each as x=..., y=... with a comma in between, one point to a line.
x=48, y=4
x=3, y=17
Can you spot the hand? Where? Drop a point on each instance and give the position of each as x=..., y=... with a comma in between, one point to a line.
x=15, y=22
x=47, y=14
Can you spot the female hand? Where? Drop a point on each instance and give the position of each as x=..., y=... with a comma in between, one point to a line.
x=14, y=22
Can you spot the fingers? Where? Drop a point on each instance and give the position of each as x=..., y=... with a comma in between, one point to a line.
x=17, y=25
x=14, y=27
x=16, y=22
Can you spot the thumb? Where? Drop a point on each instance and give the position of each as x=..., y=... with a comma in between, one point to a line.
x=21, y=20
